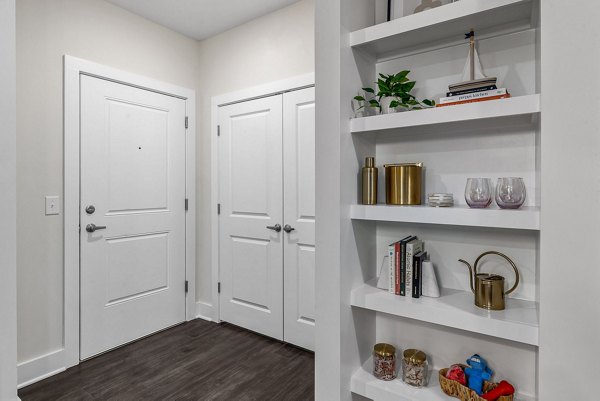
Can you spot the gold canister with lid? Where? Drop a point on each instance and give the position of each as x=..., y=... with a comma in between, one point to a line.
x=414, y=368
x=403, y=183
x=384, y=361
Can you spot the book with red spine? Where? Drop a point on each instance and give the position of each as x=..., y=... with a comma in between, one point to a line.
x=483, y=99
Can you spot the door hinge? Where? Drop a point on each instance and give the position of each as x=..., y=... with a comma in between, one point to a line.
x=186, y=122
x=186, y=286
x=218, y=208
x=186, y=204
x=218, y=130
x=219, y=287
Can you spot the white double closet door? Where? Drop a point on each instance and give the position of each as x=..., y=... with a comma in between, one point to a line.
x=267, y=218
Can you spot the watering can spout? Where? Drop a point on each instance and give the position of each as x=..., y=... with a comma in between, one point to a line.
x=470, y=274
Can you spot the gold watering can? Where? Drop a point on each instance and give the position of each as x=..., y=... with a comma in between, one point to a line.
x=489, y=288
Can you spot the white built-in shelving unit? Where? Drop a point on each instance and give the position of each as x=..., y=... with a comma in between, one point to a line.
x=488, y=139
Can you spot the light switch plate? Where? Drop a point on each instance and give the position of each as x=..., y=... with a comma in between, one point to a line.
x=52, y=205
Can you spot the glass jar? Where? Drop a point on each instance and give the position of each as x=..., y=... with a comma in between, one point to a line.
x=414, y=368
x=384, y=361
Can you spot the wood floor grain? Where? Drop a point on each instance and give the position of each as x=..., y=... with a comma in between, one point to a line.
x=195, y=361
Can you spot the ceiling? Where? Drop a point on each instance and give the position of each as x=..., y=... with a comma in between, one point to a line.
x=201, y=19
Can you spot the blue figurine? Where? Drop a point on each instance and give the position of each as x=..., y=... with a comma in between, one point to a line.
x=477, y=372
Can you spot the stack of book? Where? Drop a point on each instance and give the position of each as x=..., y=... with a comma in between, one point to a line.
x=405, y=260
x=478, y=90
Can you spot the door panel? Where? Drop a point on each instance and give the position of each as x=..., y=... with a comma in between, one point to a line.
x=133, y=173
x=299, y=190
x=250, y=193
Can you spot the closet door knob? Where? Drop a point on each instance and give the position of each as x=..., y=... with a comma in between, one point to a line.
x=276, y=227
x=288, y=229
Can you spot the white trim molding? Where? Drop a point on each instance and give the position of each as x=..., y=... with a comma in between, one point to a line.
x=205, y=311
x=8, y=199
x=255, y=92
x=73, y=69
x=40, y=368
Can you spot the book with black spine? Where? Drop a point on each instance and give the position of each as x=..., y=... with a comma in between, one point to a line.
x=412, y=248
x=465, y=91
x=417, y=283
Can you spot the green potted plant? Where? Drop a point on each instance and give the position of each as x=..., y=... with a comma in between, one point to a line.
x=396, y=88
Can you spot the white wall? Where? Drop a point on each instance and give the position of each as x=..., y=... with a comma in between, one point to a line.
x=569, y=274
x=270, y=48
x=8, y=246
x=46, y=30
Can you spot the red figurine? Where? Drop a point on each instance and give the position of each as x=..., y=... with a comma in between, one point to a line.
x=456, y=373
x=504, y=388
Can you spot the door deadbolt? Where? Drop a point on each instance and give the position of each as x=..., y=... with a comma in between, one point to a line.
x=90, y=209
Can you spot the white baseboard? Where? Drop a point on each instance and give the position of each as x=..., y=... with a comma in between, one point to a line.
x=205, y=311
x=40, y=368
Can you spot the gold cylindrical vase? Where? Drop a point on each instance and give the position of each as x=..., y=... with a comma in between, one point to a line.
x=403, y=183
x=369, y=182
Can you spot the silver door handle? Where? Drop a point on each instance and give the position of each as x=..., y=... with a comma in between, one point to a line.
x=288, y=229
x=276, y=227
x=90, y=228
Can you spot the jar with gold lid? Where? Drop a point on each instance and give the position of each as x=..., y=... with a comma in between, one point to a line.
x=384, y=361
x=414, y=368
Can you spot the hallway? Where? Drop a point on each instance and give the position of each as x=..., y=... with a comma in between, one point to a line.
x=197, y=360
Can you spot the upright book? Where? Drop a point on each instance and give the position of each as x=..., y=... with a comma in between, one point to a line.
x=401, y=270
x=417, y=282
x=412, y=248
x=392, y=268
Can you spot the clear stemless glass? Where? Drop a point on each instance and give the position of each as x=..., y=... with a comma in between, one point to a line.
x=510, y=192
x=478, y=192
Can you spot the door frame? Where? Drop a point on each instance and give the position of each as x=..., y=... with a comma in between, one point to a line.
x=256, y=92
x=73, y=69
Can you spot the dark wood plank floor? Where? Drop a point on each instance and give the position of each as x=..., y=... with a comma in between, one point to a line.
x=197, y=360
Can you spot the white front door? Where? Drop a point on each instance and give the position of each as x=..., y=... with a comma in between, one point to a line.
x=250, y=193
x=299, y=214
x=133, y=190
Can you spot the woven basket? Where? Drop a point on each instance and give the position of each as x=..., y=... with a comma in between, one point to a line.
x=464, y=393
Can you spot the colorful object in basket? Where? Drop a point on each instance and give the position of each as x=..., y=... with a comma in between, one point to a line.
x=504, y=388
x=478, y=372
x=456, y=373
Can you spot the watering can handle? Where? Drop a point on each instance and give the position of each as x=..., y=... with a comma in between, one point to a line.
x=509, y=260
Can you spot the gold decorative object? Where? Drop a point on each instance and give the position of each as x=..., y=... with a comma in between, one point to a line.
x=369, y=182
x=464, y=393
x=489, y=288
x=403, y=183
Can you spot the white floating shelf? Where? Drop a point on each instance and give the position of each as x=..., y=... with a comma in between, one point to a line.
x=518, y=322
x=444, y=24
x=365, y=384
x=525, y=218
x=500, y=108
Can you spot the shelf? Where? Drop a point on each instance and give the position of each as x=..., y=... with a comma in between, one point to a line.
x=444, y=24
x=525, y=218
x=365, y=384
x=492, y=109
x=518, y=322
